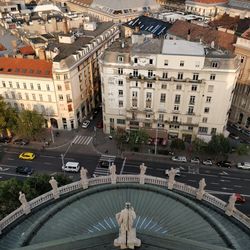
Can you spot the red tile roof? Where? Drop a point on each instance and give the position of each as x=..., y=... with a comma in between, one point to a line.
x=210, y=1
x=221, y=39
x=27, y=50
x=2, y=47
x=25, y=67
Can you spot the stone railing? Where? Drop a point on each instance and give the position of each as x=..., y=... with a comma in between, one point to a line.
x=77, y=186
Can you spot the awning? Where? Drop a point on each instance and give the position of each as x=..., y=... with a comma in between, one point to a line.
x=162, y=133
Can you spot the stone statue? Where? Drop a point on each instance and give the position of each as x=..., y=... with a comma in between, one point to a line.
x=112, y=171
x=54, y=186
x=143, y=169
x=171, y=178
x=231, y=205
x=201, y=191
x=84, y=178
x=25, y=204
x=127, y=234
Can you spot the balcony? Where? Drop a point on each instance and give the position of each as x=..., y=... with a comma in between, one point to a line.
x=190, y=113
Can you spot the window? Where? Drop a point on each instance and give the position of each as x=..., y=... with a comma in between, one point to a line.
x=49, y=98
x=31, y=85
x=148, y=105
x=148, y=96
x=190, y=110
x=48, y=88
x=150, y=73
x=195, y=76
x=163, y=98
x=26, y=96
x=120, y=92
x=178, y=87
x=177, y=99
x=60, y=97
x=208, y=99
x=213, y=131
x=180, y=76
x=39, y=86
x=190, y=128
x=212, y=77
x=134, y=93
x=204, y=119
x=176, y=107
x=120, y=104
x=59, y=87
x=135, y=73
x=161, y=117
x=206, y=110
x=197, y=64
x=34, y=97
x=80, y=77
x=175, y=118
x=135, y=60
x=24, y=85
x=164, y=86
x=18, y=85
x=192, y=100
x=66, y=85
x=4, y=85
x=41, y=97
x=181, y=63
x=19, y=96
x=242, y=58
x=57, y=77
x=210, y=88
x=6, y=95
x=120, y=58
x=136, y=84
x=149, y=85
x=120, y=71
x=194, y=87
x=120, y=82
x=120, y=121
x=111, y=120
x=166, y=62
x=150, y=61
x=165, y=75
x=215, y=64
x=65, y=76
x=10, y=83
x=203, y=130
x=148, y=116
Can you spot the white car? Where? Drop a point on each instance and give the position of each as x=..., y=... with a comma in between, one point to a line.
x=243, y=165
x=85, y=124
x=207, y=162
x=179, y=158
x=195, y=160
x=178, y=172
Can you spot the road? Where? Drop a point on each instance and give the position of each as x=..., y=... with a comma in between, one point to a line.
x=220, y=181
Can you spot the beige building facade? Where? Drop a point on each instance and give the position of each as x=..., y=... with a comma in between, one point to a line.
x=179, y=87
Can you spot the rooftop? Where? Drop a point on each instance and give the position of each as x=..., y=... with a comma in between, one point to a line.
x=25, y=67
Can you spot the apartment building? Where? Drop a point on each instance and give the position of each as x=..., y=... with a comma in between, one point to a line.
x=28, y=84
x=179, y=87
x=240, y=110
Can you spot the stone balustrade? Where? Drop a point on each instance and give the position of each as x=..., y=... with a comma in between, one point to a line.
x=76, y=186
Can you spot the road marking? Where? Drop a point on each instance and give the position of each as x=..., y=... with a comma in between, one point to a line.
x=225, y=180
x=26, y=176
x=47, y=163
x=54, y=173
x=223, y=173
x=10, y=159
x=214, y=183
x=238, y=186
x=49, y=156
x=224, y=188
x=8, y=166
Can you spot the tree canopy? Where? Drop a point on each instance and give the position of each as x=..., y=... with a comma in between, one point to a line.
x=219, y=145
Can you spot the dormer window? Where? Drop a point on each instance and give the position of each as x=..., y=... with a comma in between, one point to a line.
x=135, y=60
x=215, y=64
x=120, y=59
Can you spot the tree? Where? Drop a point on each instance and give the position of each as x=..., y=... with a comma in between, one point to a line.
x=137, y=137
x=120, y=136
x=30, y=123
x=219, y=145
x=243, y=149
x=199, y=145
x=177, y=144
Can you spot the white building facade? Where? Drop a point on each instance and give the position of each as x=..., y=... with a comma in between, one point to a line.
x=178, y=87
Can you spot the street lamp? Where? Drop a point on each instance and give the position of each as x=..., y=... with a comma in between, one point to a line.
x=156, y=135
x=51, y=127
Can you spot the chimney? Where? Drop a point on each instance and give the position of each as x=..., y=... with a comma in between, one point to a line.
x=188, y=34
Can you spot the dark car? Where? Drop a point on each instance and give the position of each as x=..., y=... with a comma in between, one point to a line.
x=24, y=170
x=99, y=124
x=21, y=141
x=105, y=164
x=224, y=164
x=240, y=198
x=5, y=139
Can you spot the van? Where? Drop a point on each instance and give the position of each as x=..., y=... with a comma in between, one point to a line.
x=71, y=166
x=243, y=165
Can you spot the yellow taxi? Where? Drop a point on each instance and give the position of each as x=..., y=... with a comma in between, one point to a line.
x=27, y=156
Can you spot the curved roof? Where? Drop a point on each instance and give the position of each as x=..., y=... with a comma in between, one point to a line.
x=163, y=216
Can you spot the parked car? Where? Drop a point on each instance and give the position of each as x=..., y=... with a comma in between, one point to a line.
x=99, y=124
x=24, y=170
x=179, y=158
x=178, y=172
x=207, y=162
x=246, y=132
x=236, y=126
x=243, y=165
x=234, y=136
x=240, y=198
x=224, y=164
x=5, y=140
x=27, y=156
x=195, y=160
x=105, y=164
x=85, y=124
x=21, y=141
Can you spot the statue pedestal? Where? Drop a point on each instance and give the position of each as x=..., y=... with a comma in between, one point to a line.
x=131, y=243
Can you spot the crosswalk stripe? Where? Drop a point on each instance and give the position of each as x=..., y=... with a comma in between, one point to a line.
x=88, y=141
x=85, y=140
